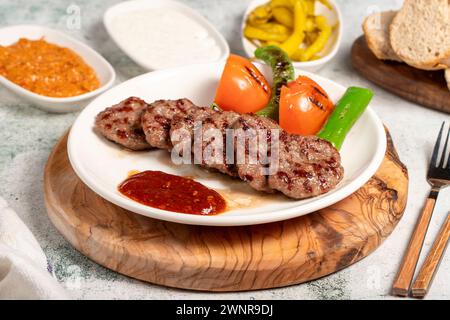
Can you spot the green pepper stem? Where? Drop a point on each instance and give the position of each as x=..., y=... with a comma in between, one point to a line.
x=283, y=72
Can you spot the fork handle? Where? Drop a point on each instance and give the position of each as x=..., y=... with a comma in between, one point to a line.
x=428, y=270
x=405, y=274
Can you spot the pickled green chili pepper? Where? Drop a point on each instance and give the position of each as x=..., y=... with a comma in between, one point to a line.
x=347, y=111
x=283, y=72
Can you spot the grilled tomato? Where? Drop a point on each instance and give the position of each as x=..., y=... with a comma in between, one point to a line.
x=242, y=88
x=304, y=107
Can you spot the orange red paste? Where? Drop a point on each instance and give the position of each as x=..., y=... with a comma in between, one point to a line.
x=47, y=69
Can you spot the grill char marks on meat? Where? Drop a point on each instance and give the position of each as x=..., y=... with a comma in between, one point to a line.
x=157, y=118
x=182, y=127
x=251, y=129
x=121, y=123
x=213, y=153
x=308, y=166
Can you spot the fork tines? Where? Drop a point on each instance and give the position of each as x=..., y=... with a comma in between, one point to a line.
x=442, y=157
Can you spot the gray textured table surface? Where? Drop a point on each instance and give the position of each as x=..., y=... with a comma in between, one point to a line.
x=28, y=134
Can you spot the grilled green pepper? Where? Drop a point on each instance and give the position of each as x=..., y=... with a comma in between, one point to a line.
x=283, y=72
x=347, y=111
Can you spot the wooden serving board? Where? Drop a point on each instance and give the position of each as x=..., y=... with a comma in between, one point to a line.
x=225, y=258
x=427, y=88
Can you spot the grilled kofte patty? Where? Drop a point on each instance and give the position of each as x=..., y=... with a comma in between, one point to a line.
x=121, y=123
x=214, y=144
x=182, y=128
x=253, y=141
x=307, y=165
x=157, y=117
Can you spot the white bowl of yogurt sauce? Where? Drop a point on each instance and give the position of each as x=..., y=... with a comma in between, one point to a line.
x=163, y=34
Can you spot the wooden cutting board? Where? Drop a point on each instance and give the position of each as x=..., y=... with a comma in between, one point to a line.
x=225, y=258
x=427, y=88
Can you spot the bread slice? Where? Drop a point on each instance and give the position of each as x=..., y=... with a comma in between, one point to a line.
x=376, y=31
x=420, y=34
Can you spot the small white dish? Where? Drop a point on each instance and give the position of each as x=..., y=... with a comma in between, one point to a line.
x=141, y=5
x=103, y=165
x=102, y=68
x=328, y=52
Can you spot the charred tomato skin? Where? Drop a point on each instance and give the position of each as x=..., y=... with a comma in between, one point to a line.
x=242, y=87
x=304, y=107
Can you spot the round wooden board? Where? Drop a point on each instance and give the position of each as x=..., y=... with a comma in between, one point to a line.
x=225, y=258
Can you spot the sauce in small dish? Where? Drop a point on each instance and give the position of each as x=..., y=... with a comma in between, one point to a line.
x=162, y=34
x=53, y=96
x=172, y=193
x=47, y=69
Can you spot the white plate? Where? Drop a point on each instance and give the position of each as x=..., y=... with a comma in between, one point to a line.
x=328, y=52
x=102, y=68
x=140, y=5
x=103, y=165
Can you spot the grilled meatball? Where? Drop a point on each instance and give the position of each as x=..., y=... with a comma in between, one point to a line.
x=305, y=166
x=182, y=127
x=121, y=123
x=156, y=120
x=253, y=149
x=211, y=151
x=308, y=166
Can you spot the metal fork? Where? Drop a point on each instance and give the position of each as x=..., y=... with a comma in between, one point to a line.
x=438, y=177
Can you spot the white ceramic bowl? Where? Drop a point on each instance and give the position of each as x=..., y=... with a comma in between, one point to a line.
x=328, y=52
x=138, y=5
x=102, y=68
x=103, y=165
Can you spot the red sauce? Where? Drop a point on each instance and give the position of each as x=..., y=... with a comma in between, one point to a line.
x=172, y=193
